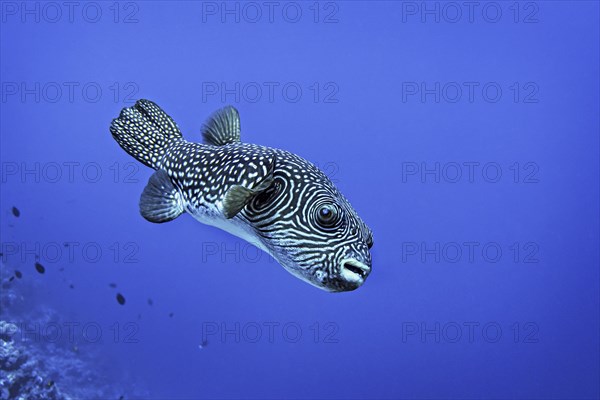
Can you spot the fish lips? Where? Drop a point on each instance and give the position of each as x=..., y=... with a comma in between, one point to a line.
x=351, y=276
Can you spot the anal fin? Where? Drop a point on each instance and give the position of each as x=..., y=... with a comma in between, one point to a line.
x=160, y=200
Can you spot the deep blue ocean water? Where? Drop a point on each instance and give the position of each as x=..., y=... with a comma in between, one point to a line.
x=466, y=135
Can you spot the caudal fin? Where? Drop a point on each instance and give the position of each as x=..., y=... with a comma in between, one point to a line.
x=145, y=131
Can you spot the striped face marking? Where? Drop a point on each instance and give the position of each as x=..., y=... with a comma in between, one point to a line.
x=272, y=198
x=310, y=227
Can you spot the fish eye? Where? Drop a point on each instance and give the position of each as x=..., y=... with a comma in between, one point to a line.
x=370, y=242
x=328, y=216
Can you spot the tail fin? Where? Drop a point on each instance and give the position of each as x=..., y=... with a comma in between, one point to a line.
x=145, y=131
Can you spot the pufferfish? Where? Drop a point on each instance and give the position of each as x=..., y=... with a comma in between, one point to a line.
x=273, y=199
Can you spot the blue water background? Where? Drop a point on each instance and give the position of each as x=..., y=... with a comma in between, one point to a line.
x=366, y=130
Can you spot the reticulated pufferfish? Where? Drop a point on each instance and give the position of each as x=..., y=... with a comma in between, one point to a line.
x=271, y=198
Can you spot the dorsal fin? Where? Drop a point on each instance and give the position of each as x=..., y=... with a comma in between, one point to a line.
x=222, y=127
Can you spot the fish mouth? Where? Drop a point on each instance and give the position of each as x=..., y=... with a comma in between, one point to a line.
x=354, y=271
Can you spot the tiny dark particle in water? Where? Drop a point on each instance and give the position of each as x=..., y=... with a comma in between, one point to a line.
x=112, y=285
x=40, y=268
x=18, y=274
x=16, y=212
x=61, y=269
x=122, y=398
x=72, y=286
x=120, y=299
x=150, y=302
x=12, y=278
x=171, y=315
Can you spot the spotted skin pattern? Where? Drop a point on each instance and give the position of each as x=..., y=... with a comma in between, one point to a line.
x=272, y=198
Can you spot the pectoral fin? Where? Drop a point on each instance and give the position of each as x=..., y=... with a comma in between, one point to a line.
x=160, y=201
x=238, y=196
